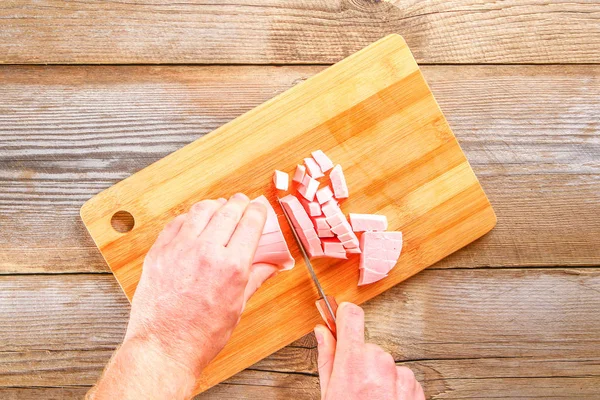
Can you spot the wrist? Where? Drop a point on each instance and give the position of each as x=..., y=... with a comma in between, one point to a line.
x=139, y=370
x=175, y=349
x=147, y=357
x=157, y=354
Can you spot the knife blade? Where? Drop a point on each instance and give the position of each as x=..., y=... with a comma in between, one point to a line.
x=326, y=305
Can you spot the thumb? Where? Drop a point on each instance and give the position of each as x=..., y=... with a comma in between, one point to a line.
x=326, y=347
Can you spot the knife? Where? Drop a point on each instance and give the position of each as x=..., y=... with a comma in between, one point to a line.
x=326, y=305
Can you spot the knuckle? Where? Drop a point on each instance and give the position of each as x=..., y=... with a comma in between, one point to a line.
x=250, y=229
x=227, y=213
x=386, y=359
x=236, y=267
x=174, y=222
x=201, y=207
x=259, y=208
x=374, y=350
x=240, y=196
x=253, y=218
x=207, y=253
x=381, y=358
x=406, y=373
x=237, y=274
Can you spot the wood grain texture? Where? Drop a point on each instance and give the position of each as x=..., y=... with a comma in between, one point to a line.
x=530, y=133
x=483, y=333
x=270, y=386
x=374, y=114
x=311, y=31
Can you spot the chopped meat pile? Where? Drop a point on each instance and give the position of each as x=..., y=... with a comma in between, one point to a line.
x=323, y=227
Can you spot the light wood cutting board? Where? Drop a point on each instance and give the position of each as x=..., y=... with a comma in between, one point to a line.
x=374, y=114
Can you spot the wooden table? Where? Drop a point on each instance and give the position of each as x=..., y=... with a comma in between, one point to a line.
x=514, y=315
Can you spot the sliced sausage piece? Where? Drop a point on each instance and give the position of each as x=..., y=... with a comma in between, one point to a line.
x=321, y=158
x=313, y=168
x=281, y=180
x=338, y=182
x=299, y=174
x=272, y=247
x=368, y=222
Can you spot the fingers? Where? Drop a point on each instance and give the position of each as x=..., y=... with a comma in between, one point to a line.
x=199, y=217
x=244, y=239
x=224, y=221
x=326, y=347
x=170, y=231
x=381, y=364
x=407, y=386
x=259, y=273
x=350, y=320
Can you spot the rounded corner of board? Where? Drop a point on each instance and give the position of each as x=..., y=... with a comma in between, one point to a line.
x=493, y=218
x=489, y=219
x=84, y=211
x=396, y=37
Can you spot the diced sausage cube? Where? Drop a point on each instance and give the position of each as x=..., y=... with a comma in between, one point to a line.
x=299, y=174
x=330, y=208
x=324, y=194
x=355, y=250
x=312, y=207
x=303, y=225
x=333, y=245
x=338, y=182
x=321, y=223
x=305, y=179
x=321, y=158
x=281, y=180
x=368, y=222
x=342, y=228
x=313, y=168
x=309, y=190
x=336, y=219
x=325, y=233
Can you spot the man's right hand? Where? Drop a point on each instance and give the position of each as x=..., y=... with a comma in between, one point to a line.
x=351, y=369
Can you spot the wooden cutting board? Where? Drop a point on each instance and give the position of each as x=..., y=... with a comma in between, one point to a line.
x=374, y=114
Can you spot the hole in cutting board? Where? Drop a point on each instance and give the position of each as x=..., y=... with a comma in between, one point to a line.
x=122, y=221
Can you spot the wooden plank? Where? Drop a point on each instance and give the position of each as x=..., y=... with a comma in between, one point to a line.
x=302, y=387
x=66, y=133
x=48, y=393
x=374, y=114
x=483, y=333
x=312, y=31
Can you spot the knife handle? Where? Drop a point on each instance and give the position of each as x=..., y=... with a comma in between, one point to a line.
x=326, y=315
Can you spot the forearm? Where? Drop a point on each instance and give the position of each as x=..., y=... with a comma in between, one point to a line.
x=190, y=297
x=138, y=370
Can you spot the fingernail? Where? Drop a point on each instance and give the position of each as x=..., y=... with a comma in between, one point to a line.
x=319, y=336
x=240, y=196
x=222, y=200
